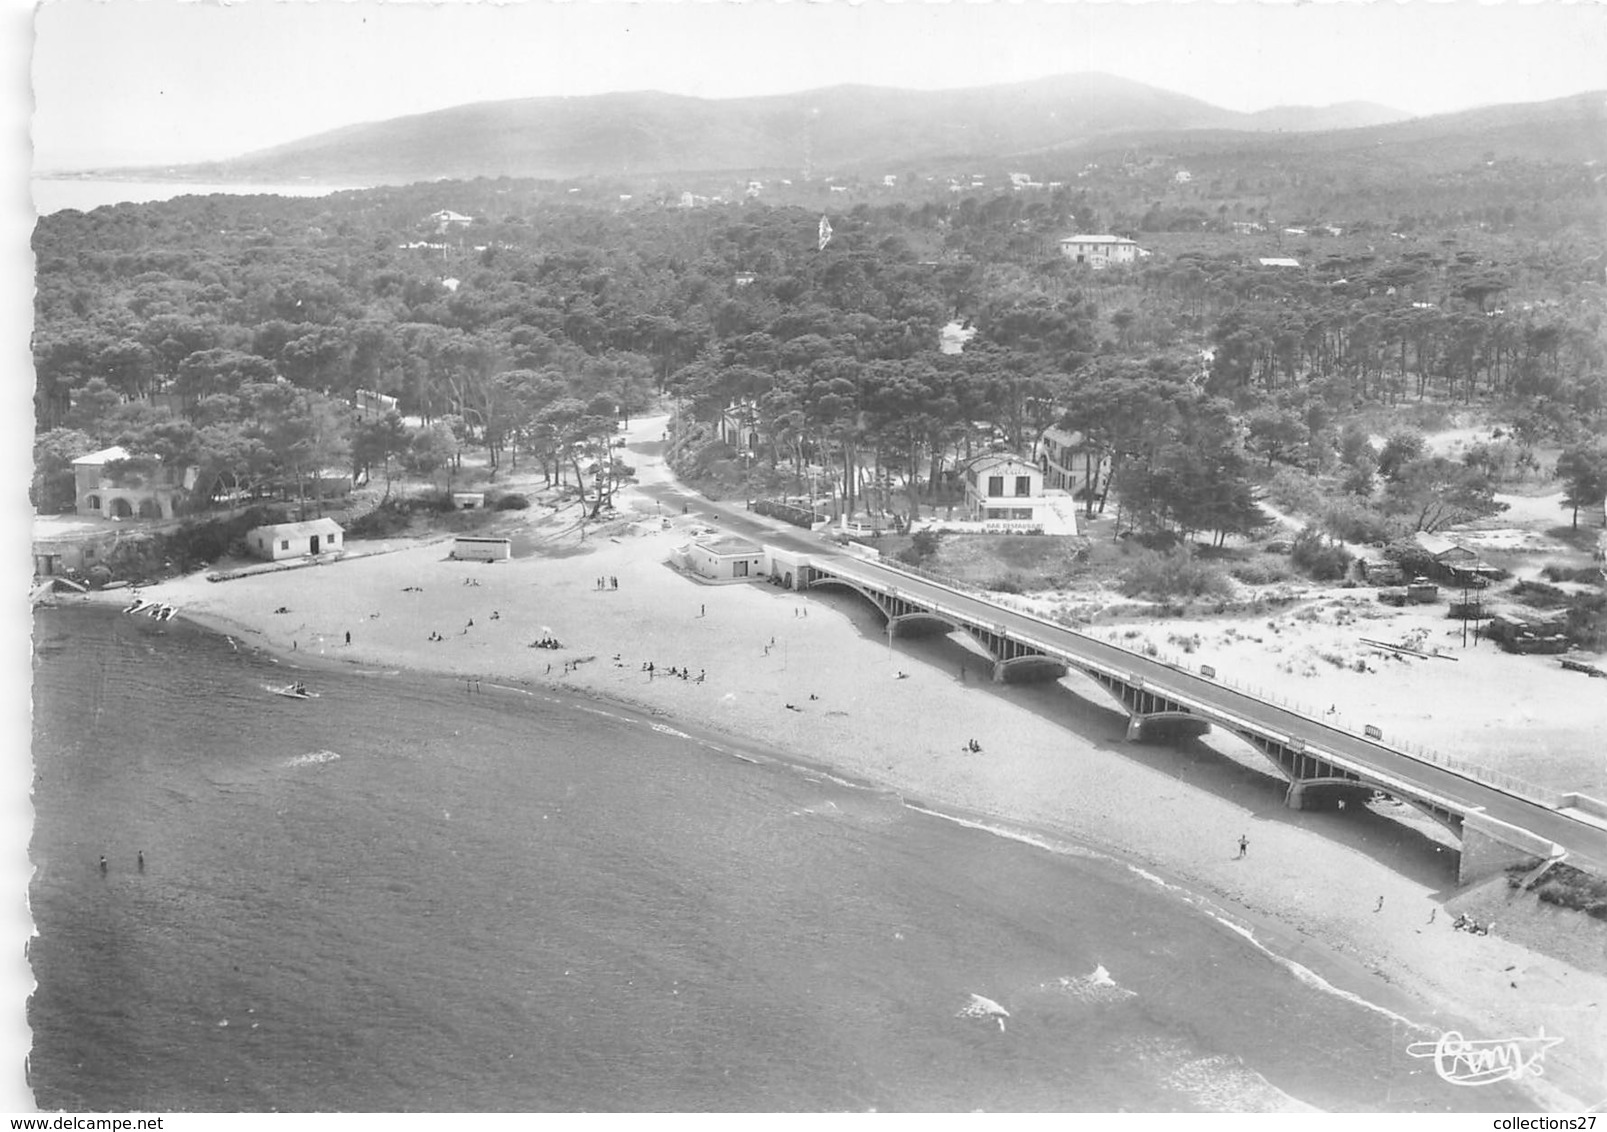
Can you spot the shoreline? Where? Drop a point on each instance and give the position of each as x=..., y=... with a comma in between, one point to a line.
x=1373, y=975
x=1339, y=974
x=1056, y=769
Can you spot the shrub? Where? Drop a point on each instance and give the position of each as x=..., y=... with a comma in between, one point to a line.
x=1009, y=584
x=389, y=518
x=1354, y=521
x=1554, y=573
x=1587, y=621
x=512, y=502
x=1157, y=540
x=1411, y=558
x=1538, y=595
x=1261, y=573
x=1320, y=559
x=1359, y=482
x=1295, y=491
x=437, y=501
x=1155, y=575
x=460, y=521
x=1400, y=448
x=923, y=545
x=1568, y=887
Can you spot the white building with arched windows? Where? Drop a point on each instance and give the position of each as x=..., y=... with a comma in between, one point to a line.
x=149, y=493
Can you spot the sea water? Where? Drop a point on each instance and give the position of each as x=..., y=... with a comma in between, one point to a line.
x=404, y=896
x=54, y=194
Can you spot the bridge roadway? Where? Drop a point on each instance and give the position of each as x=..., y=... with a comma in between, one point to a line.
x=1586, y=844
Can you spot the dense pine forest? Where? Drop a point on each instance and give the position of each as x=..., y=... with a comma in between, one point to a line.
x=233, y=333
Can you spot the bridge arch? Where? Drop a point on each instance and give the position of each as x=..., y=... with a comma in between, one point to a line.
x=1021, y=669
x=1343, y=770
x=921, y=624
x=820, y=581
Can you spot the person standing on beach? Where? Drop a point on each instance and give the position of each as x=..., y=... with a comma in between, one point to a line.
x=1244, y=846
x=702, y=610
x=140, y=860
x=103, y=864
x=348, y=636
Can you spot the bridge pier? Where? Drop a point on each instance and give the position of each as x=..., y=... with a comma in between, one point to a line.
x=1334, y=769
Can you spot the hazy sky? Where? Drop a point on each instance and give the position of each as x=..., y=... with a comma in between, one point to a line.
x=120, y=81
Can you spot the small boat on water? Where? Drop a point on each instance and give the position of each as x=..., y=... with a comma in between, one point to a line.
x=295, y=692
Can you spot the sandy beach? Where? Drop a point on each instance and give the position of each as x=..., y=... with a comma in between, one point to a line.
x=814, y=678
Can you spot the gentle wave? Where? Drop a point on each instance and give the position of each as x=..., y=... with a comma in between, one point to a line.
x=311, y=758
x=1060, y=848
x=979, y=1007
x=1301, y=972
x=1226, y=1084
x=1096, y=986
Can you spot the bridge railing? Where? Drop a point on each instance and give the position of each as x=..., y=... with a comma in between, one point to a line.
x=1510, y=783
x=931, y=576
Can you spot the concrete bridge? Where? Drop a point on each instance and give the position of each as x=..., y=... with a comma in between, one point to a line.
x=1322, y=764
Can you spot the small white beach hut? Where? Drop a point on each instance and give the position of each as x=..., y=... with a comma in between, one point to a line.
x=295, y=540
x=479, y=549
x=725, y=559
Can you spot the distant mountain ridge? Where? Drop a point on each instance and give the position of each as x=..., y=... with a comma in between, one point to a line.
x=1339, y=116
x=836, y=129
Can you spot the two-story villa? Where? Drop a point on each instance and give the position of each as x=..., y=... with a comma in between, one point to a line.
x=1004, y=492
x=1099, y=251
x=1059, y=453
x=128, y=495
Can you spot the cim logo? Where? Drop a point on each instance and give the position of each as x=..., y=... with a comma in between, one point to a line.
x=1460, y=1061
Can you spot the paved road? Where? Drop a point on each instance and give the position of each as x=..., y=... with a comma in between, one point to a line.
x=1585, y=842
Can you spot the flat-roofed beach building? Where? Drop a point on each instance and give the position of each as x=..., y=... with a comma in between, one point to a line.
x=295, y=540
x=725, y=558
